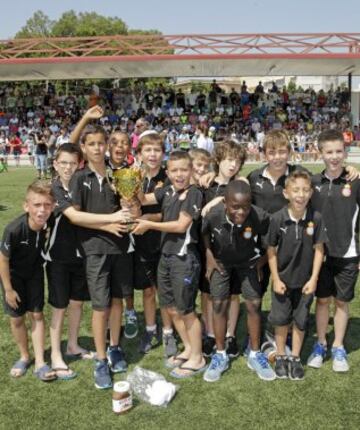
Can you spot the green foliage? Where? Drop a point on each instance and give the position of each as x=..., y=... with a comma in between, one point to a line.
x=39, y=25
x=88, y=24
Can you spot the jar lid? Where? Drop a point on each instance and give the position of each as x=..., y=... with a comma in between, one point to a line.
x=121, y=387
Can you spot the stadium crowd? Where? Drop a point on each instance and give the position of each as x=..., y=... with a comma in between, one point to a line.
x=36, y=120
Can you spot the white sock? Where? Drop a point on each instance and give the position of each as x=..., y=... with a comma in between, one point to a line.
x=228, y=335
x=252, y=353
x=151, y=328
x=210, y=335
x=223, y=353
x=168, y=331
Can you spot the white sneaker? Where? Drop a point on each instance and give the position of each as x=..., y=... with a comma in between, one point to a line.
x=317, y=356
x=340, y=363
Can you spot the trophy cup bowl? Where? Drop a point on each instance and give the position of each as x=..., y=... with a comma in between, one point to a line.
x=128, y=183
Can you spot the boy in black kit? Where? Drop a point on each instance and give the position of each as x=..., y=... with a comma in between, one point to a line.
x=179, y=266
x=231, y=236
x=22, y=277
x=107, y=262
x=295, y=251
x=338, y=200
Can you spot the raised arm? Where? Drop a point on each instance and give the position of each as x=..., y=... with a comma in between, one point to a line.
x=95, y=112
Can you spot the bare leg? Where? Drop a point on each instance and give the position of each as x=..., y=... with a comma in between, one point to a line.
x=19, y=331
x=281, y=333
x=220, y=319
x=297, y=340
x=234, y=310
x=322, y=318
x=74, y=318
x=254, y=323
x=115, y=319
x=99, y=325
x=341, y=319
x=149, y=302
x=56, y=326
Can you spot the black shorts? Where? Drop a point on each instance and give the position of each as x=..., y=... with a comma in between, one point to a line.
x=178, y=281
x=235, y=281
x=338, y=278
x=293, y=306
x=30, y=291
x=66, y=281
x=108, y=276
x=145, y=272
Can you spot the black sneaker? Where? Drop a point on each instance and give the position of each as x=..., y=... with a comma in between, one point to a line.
x=208, y=346
x=295, y=369
x=231, y=347
x=150, y=339
x=281, y=367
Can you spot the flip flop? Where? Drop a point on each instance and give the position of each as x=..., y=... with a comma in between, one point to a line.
x=68, y=377
x=42, y=372
x=192, y=371
x=176, y=362
x=85, y=355
x=22, y=366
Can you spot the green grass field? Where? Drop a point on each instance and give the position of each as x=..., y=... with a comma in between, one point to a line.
x=324, y=400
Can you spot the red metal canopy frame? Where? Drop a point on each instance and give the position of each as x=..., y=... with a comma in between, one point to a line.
x=180, y=55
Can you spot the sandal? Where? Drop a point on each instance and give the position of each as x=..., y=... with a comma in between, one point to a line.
x=83, y=355
x=175, y=361
x=22, y=366
x=190, y=372
x=67, y=377
x=43, y=373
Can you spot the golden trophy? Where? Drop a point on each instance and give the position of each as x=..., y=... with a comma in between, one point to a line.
x=128, y=183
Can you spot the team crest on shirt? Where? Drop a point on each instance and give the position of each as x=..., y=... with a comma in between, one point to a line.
x=310, y=228
x=346, y=191
x=247, y=233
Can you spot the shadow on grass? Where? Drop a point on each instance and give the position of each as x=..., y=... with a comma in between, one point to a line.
x=3, y=208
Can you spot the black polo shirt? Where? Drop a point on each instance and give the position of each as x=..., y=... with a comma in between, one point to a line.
x=214, y=190
x=148, y=245
x=94, y=194
x=235, y=245
x=338, y=201
x=172, y=203
x=62, y=244
x=295, y=244
x=267, y=195
x=23, y=247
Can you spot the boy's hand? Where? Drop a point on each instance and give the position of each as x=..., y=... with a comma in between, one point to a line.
x=121, y=216
x=116, y=228
x=141, y=227
x=211, y=204
x=279, y=287
x=95, y=112
x=352, y=173
x=211, y=265
x=205, y=180
x=309, y=287
x=12, y=298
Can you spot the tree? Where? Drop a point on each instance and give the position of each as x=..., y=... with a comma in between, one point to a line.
x=87, y=24
x=39, y=25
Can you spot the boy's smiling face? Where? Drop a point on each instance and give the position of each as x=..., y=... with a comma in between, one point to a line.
x=277, y=158
x=238, y=207
x=298, y=192
x=179, y=172
x=200, y=167
x=333, y=153
x=119, y=147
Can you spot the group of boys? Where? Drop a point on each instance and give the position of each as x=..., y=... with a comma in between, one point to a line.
x=168, y=244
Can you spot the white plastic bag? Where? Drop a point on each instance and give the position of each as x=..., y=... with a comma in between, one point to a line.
x=151, y=387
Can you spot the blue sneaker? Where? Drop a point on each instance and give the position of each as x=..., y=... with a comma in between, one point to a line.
x=261, y=366
x=217, y=366
x=317, y=356
x=102, y=375
x=339, y=356
x=116, y=359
